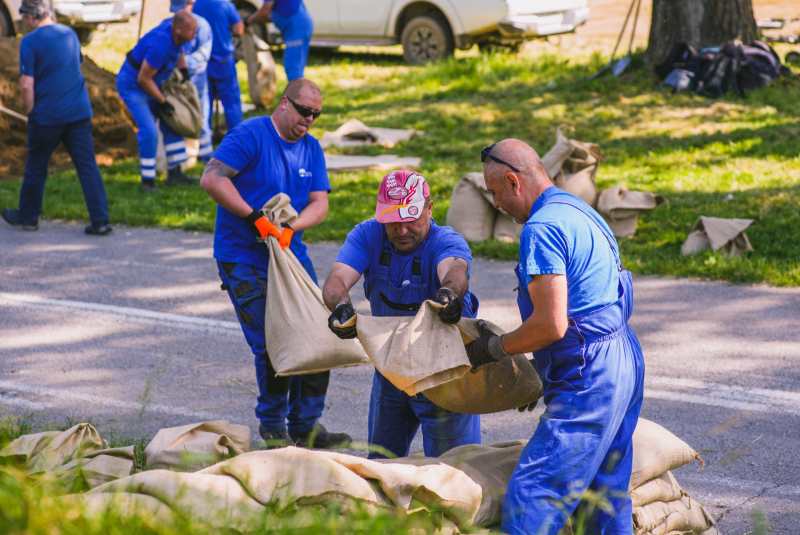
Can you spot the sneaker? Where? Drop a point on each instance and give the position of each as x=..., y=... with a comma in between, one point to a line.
x=275, y=439
x=12, y=218
x=319, y=437
x=99, y=229
x=149, y=186
x=176, y=176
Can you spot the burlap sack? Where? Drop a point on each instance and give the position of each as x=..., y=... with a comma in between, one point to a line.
x=662, y=518
x=153, y=513
x=621, y=208
x=187, y=121
x=655, y=451
x=661, y=489
x=471, y=211
x=354, y=133
x=716, y=233
x=352, y=162
x=43, y=452
x=296, y=328
x=261, y=82
x=572, y=166
x=193, y=446
x=95, y=469
x=505, y=229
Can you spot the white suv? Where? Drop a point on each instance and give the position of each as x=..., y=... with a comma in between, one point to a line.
x=433, y=29
x=84, y=16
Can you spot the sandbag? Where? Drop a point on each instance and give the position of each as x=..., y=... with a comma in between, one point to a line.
x=657, y=451
x=193, y=446
x=572, y=166
x=261, y=82
x=298, y=340
x=355, y=133
x=43, y=452
x=661, y=518
x=94, y=469
x=621, y=208
x=661, y=489
x=471, y=211
x=717, y=233
x=187, y=121
x=152, y=512
x=421, y=354
x=505, y=230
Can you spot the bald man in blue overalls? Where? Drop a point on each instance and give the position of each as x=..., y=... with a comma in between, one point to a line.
x=405, y=259
x=575, y=300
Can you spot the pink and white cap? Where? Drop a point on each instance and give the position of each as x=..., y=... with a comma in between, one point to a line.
x=401, y=197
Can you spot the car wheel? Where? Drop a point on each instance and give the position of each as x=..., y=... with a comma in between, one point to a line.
x=426, y=38
x=84, y=35
x=6, y=27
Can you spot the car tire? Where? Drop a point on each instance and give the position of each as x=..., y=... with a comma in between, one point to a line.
x=6, y=26
x=426, y=38
x=84, y=35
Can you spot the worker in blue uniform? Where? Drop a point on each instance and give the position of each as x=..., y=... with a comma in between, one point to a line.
x=575, y=300
x=146, y=68
x=54, y=94
x=296, y=26
x=197, y=53
x=405, y=259
x=260, y=158
x=223, y=82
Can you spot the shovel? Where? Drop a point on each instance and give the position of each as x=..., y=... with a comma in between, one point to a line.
x=610, y=65
x=622, y=64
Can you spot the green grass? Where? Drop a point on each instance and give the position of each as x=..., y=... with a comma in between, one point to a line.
x=727, y=158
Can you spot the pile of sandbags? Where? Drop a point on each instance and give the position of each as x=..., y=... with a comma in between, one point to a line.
x=421, y=354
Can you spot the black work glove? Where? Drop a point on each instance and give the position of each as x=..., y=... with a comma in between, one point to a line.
x=344, y=311
x=166, y=109
x=485, y=350
x=451, y=313
x=529, y=406
x=184, y=74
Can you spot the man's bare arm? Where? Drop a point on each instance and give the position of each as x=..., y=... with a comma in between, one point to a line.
x=216, y=181
x=314, y=213
x=145, y=80
x=338, y=283
x=263, y=13
x=237, y=29
x=548, y=323
x=26, y=91
x=452, y=273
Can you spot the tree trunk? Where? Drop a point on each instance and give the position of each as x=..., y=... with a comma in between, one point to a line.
x=700, y=23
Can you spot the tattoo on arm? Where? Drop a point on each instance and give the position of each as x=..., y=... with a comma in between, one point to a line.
x=219, y=170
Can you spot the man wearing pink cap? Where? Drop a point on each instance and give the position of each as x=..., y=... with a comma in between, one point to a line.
x=405, y=259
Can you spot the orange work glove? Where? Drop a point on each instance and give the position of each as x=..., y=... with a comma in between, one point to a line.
x=261, y=225
x=286, y=237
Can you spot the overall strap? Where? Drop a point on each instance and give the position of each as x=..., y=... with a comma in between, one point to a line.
x=615, y=252
x=386, y=261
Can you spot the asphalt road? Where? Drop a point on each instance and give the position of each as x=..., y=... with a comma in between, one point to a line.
x=132, y=332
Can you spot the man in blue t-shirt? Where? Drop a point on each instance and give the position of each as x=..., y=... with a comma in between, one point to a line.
x=139, y=81
x=405, y=259
x=575, y=300
x=260, y=158
x=223, y=82
x=296, y=26
x=54, y=93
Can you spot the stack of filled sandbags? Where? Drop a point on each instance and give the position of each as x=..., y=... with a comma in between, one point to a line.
x=660, y=506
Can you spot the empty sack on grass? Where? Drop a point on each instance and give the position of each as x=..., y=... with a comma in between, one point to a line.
x=621, y=208
x=354, y=133
x=296, y=326
x=572, y=166
x=717, y=233
x=193, y=446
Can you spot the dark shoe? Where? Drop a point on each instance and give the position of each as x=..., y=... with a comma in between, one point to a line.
x=176, y=176
x=275, y=439
x=319, y=437
x=12, y=218
x=99, y=229
x=149, y=186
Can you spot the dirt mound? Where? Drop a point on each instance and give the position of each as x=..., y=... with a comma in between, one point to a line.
x=113, y=128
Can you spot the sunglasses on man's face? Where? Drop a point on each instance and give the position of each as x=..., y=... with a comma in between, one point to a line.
x=486, y=153
x=303, y=111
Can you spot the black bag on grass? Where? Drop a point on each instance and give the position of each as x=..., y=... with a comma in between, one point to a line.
x=719, y=73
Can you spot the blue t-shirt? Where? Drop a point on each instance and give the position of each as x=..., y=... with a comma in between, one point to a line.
x=198, y=50
x=221, y=14
x=562, y=240
x=364, y=244
x=267, y=165
x=52, y=56
x=159, y=49
x=286, y=8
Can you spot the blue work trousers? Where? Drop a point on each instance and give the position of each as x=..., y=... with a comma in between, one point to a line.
x=144, y=109
x=223, y=85
x=42, y=142
x=299, y=399
x=593, y=385
x=395, y=417
x=200, y=80
x=296, y=31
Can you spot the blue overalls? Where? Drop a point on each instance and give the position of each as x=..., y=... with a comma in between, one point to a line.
x=144, y=108
x=394, y=416
x=198, y=54
x=593, y=382
x=296, y=30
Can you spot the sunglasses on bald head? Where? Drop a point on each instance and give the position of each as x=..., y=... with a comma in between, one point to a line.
x=304, y=111
x=486, y=153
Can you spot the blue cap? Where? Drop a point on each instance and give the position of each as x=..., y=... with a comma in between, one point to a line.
x=177, y=5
